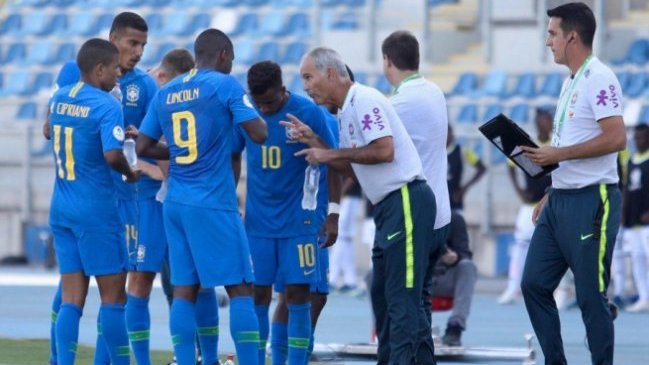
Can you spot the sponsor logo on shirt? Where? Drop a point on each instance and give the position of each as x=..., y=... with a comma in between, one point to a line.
x=132, y=93
x=602, y=97
x=378, y=119
x=118, y=133
x=367, y=122
x=613, y=97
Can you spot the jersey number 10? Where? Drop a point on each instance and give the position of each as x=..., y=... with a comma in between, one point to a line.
x=68, y=174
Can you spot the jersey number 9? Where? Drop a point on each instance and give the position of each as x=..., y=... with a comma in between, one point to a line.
x=190, y=141
x=68, y=174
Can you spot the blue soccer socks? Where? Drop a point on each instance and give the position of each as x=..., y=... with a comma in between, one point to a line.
x=138, y=323
x=207, y=321
x=183, y=331
x=299, y=332
x=244, y=328
x=67, y=333
x=113, y=329
x=262, y=317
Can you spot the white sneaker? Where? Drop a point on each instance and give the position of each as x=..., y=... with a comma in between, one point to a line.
x=564, y=298
x=509, y=297
x=639, y=306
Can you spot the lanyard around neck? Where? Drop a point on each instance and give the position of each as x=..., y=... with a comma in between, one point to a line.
x=565, y=97
x=416, y=75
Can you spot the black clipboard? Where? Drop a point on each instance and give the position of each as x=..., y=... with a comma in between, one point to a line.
x=507, y=136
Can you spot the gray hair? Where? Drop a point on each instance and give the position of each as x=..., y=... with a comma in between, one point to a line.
x=325, y=58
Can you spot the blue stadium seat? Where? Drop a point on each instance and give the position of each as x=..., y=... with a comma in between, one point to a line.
x=551, y=85
x=42, y=81
x=62, y=3
x=200, y=22
x=78, y=24
x=644, y=114
x=254, y=3
x=216, y=3
x=525, y=86
x=345, y=21
x=100, y=26
x=156, y=3
x=244, y=52
x=27, y=111
x=491, y=111
x=11, y=24
x=326, y=3
x=624, y=77
x=296, y=85
x=301, y=4
x=297, y=26
x=33, y=23
x=57, y=23
x=638, y=53
x=17, y=82
x=520, y=113
x=294, y=53
x=637, y=85
x=272, y=23
x=174, y=24
x=466, y=84
x=2, y=78
x=66, y=52
x=494, y=84
x=15, y=53
x=353, y=3
x=154, y=22
x=382, y=84
x=39, y=52
x=246, y=25
x=268, y=51
x=360, y=77
x=468, y=114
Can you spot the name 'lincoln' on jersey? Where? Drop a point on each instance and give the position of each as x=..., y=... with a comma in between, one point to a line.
x=196, y=113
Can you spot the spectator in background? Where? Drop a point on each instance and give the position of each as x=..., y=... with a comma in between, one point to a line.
x=636, y=215
x=530, y=194
x=455, y=276
x=457, y=155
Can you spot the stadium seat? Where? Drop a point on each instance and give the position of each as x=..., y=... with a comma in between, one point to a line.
x=65, y=52
x=353, y=3
x=11, y=24
x=637, y=85
x=174, y=24
x=15, y=53
x=27, y=111
x=101, y=26
x=57, y=23
x=294, y=53
x=468, y=114
x=62, y=3
x=268, y=51
x=638, y=53
x=39, y=52
x=78, y=24
x=491, y=111
x=297, y=25
x=42, y=81
x=254, y=3
x=382, y=84
x=272, y=23
x=247, y=25
x=244, y=51
x=296, y=85
x=551, y=85
x=520, y=113
x=345, y=21
x=624, y=77
x=154, y=22
x=466, y=84
x=198, y=23
x=33, y=23
x=156, y=3
x=16, y=83
x=328, y=3
x=494, y=84
x=525, y=86
x=360, y=77
x=644, y=114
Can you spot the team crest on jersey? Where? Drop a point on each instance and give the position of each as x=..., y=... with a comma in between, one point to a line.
x=118, y=133
x=574, y=98
x=290, y=138
x=141, y=252
x=132, y=93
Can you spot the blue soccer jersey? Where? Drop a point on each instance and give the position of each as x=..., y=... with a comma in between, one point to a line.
x=275, y=176
x=69, y=74
x=85, y=123
x=196, y=112
x=138, y=89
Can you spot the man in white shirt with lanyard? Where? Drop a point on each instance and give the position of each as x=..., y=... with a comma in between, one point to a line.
x=376, y=149
x=422, y=108
x=577, y=221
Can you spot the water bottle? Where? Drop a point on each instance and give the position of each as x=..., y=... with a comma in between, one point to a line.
x=229, y=360
x=310, y=190
x=129, y=151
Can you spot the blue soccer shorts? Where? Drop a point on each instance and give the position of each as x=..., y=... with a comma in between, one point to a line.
x=128, y=216
x=93, y=252
x=151, y=239
x=206, y=246
x=321, y=285
x=294, y=259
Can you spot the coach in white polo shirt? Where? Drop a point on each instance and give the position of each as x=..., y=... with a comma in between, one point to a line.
x=579, y=218
x=376, y=149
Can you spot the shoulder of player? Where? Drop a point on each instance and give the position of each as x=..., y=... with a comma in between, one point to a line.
x=598, y=73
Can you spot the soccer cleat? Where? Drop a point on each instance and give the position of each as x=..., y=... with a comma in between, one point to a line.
x=638, y=307
x=452, y=336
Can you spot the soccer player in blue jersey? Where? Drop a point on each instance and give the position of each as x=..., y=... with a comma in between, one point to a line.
x=135, y=89
x=283, y=236
x=196, y=113
x=86, y=126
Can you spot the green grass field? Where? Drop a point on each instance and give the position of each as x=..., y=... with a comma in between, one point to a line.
x=37, y=352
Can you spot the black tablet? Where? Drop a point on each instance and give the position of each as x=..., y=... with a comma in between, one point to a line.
x=507, y=136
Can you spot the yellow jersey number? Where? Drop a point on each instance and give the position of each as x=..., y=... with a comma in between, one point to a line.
x=306, y=252
x=68, y=172
x=187, y=118
x=271, y=157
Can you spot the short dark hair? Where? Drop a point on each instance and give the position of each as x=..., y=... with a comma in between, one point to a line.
x=210, y=43
x=641, y=127
x=95, y=51
x=128, y=19
x=177, y=61
x=263, y=76
x=402, y=49
x=544, y=112
x=576, y=17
